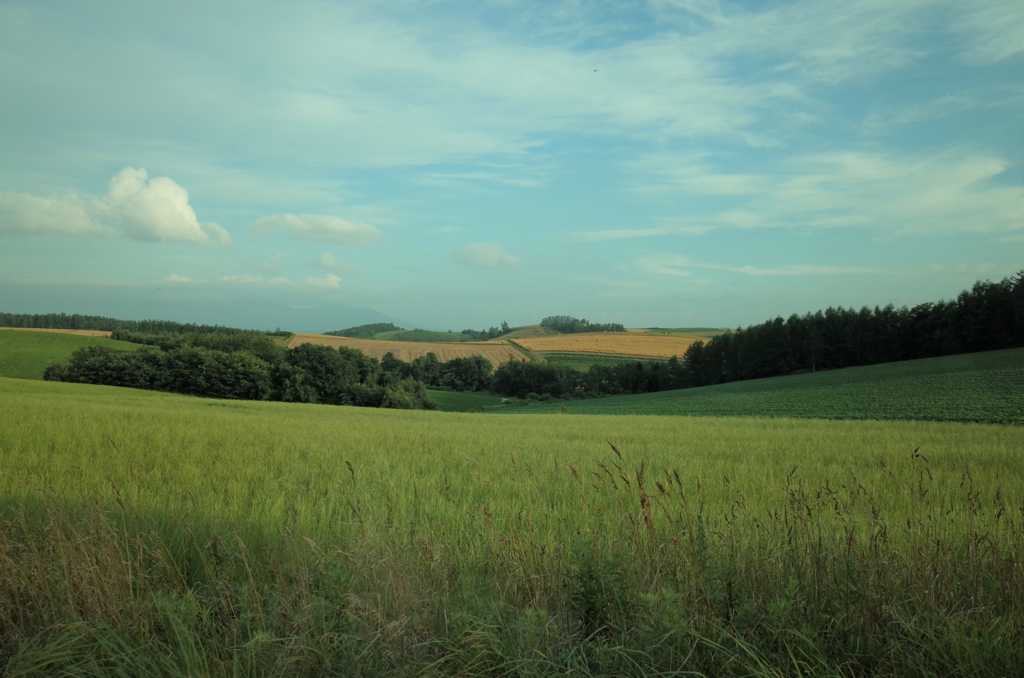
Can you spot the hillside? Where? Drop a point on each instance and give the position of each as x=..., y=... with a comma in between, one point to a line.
x=25, y=354
x=977, y=387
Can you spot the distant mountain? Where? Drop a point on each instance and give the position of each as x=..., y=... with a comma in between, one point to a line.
x=267, y=314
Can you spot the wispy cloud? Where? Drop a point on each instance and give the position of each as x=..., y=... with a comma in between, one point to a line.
x=936, y=193
x=330, y=280
x=484, y=255
x=619, y=234
x=319, y=227
x=329, y=262
x=675, y=265
x=254, y=280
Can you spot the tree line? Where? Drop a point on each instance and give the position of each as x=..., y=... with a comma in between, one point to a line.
x=75, y=321
x=248, y=367
x=566, y=324
x=989, y=316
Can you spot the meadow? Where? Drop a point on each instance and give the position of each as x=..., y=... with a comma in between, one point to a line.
x=153, y=534
x=26, y=354
x=978, y=387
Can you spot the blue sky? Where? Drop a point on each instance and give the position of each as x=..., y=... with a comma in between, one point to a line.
x=452, y=165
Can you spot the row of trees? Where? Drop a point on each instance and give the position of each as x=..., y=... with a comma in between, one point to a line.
x=989, y=316
x=308, y=373
x=75, y=321
x=490, y=333
x=568, y=325
x=459, y=374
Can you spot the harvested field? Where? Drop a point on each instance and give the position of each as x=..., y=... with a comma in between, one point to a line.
x=81, y=333
x=613, y=343
x=497, y=352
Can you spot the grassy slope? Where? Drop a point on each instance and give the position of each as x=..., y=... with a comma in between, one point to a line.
x=25, y=355
x=980, y=387
x=454, y=401
x=528, y=332
x=472, y=537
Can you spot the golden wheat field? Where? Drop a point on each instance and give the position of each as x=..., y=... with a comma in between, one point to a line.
x=498, y=352
x=614, y=343
x=81, y=333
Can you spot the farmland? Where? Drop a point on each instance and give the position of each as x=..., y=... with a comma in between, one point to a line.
x=148, y=534
x=496, y=351
x=980, y=387
x=640, y=343
x=26, y=354
x=455, y=401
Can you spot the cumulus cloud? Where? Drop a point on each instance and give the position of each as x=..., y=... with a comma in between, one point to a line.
x=254, y=280
x=330, y=280
x=135, y=206
x=484, y=255
x=329, y=262
x=174, y=277
x=319, y=227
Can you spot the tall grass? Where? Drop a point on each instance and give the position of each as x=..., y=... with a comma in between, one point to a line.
x=146, y=534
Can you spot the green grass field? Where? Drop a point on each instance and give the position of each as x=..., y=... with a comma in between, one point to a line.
x=25, y=355
x=582, y=362
x=455, y=401
x=153, y=534
x=978, y=387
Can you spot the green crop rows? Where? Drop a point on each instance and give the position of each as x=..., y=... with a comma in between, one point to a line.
x=980, y=387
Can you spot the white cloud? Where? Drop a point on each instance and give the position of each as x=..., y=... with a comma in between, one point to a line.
x=597, y=236
x=279, y=280
x=134, y=206
x=67, y=215
x=484, y=255
x=676, y=266
x=329, y=262
x=330, y=280
x=931, y=193
x=319, y=227
x=993, y=29
x=242, y=279
x=174, y=277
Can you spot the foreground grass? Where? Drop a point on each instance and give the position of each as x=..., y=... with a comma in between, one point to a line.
x=978, y=387
x=150, y=534
x=26, y=355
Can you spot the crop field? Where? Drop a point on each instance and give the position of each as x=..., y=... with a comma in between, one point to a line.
x=979, y=387
x=496, y=351
x=152, y=534
x=26, y=354
x=643, y=344
x=529, y=331
x=455, y=401
x=584, y=361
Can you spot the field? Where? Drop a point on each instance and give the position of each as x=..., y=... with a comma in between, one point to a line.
x=152, y=534
x=584, y=361
x=980, y=387
x=496, y=351
x=26, y=354
x=454, y=401
x=639, y=343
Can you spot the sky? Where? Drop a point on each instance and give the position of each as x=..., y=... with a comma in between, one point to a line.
x=451, y=165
